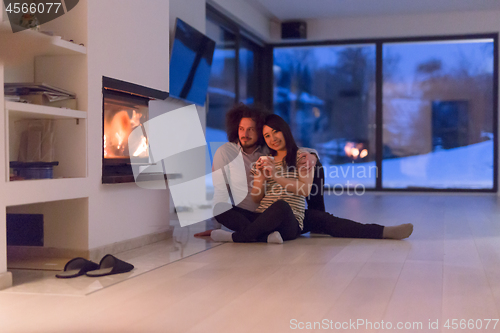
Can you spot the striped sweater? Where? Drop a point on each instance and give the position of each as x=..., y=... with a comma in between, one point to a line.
x=275, y=192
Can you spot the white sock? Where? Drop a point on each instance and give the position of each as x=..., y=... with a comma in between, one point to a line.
x=275, y=238
x=401, y=231
x=220, y=235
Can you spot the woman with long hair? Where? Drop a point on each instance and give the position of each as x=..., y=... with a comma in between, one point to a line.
x=280, y=188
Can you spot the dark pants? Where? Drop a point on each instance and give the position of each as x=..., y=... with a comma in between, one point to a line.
x=323, y=222
x=251, y=226
x=317, y=220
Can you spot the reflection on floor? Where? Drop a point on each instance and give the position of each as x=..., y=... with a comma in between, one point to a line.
x=145, y=259
x=25, y=262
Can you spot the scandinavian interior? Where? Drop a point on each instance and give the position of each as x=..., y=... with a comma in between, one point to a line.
x=448, y=269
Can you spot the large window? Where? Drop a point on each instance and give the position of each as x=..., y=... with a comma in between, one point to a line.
x=327, y=95
x=438, y=114
x=395, y=114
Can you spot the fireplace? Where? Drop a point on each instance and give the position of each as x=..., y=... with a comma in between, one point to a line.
x=125, y=107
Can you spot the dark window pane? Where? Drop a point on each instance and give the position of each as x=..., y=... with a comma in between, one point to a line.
x=247, y=73
x=221, y=88
x=438, y=115
x=327, y=95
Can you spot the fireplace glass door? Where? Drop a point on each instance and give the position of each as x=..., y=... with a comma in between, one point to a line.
x=122, y=114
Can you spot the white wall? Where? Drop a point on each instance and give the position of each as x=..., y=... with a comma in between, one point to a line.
x=404, y=25
x=190, y=11
x=127, y=40
x=246, y=15
x=401, y=26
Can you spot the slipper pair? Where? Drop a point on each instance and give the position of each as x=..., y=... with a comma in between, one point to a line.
x=109, y=265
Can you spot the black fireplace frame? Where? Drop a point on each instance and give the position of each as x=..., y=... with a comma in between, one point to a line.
x=120, y=170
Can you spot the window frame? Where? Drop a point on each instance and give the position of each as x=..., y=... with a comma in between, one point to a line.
x=241, y=33
x=379, y=43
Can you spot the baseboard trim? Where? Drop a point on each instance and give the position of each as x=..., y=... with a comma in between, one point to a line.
x=97, y=253
x=5, y=280
x=94, y=254
x=44, y=252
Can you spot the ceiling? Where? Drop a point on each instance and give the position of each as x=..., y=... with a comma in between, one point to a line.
x=310, y=9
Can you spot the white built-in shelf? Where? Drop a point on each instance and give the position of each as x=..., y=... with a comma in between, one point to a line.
x=25, y=110
x=70, y=145
x=25, y=192
x=27, y=44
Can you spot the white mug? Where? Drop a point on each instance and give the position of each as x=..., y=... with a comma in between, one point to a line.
x=261, y=159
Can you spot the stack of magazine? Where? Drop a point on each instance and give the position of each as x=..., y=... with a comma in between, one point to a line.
x=25, y=92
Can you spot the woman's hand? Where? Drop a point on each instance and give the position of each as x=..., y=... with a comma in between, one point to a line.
x=302, y=185
x=269, y=168
x=307, y=161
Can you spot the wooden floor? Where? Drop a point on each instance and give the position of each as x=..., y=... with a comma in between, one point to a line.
x=448, y=269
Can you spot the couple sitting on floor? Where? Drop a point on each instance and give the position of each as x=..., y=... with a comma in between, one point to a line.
x=278, y=177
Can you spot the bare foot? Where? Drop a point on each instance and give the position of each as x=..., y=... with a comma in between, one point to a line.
x=205, y=233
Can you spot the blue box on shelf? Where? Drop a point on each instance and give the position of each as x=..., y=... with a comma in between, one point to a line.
x=33, y=170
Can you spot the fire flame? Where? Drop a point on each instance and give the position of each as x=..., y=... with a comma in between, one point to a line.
x=105, y=150
x=142, y=148
x=136, y=119
x=116, y=133
x=119, y=136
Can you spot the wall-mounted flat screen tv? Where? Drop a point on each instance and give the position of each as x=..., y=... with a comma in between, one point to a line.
x=190, y=63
